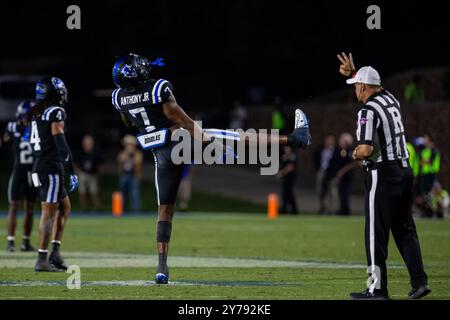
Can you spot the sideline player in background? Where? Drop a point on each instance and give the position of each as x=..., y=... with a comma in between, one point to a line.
x=150, y=105
x=381, y=144
x=21, y=192
x=51, y=154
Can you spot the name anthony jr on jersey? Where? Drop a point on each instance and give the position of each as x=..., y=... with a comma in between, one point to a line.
x=136, y=98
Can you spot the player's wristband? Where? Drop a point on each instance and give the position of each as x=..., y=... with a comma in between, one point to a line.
x=64, y=151
x=70, y=169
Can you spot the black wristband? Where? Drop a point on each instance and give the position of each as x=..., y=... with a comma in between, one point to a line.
x=70, y=169
x=64, y=151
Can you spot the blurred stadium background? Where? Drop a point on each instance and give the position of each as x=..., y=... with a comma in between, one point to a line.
x=268, y=55
x=260, y=53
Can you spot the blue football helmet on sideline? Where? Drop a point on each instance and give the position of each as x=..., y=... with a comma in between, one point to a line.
x=53, y=89
x=131, y=71
x=22, y=109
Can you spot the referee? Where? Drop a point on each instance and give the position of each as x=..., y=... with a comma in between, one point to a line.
x=381, y=144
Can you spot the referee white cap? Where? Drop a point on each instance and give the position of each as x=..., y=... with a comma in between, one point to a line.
x=367, y=75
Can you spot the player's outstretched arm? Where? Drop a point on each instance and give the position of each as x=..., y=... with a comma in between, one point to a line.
x=175, y=113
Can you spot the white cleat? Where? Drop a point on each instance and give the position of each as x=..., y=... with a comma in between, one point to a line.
x=300, y=137
x=301, y=121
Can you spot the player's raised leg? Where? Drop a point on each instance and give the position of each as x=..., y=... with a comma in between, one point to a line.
x=299, y=138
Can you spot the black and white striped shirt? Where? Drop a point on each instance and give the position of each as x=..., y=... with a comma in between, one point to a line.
x=380, y=125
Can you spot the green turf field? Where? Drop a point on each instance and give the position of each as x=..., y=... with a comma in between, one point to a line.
x=222, y=256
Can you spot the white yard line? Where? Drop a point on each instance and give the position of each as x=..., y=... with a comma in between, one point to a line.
x=117, y=260
x=146, y=283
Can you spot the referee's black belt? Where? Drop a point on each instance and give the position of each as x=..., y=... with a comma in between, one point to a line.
x=370, y=165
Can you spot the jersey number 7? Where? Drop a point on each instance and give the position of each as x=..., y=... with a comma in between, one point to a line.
x=143, y=113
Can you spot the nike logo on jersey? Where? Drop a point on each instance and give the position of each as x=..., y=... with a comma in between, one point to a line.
x=133, y=99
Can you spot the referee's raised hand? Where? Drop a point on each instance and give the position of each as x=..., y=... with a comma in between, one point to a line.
x=347, y=66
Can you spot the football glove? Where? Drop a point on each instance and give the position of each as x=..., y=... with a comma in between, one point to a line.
x=73, y=185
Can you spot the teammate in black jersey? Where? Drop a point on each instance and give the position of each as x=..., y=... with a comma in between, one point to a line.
x=21, y=192
x=51, y=155
x=149, y=105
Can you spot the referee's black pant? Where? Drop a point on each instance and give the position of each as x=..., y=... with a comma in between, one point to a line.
x=388, y=207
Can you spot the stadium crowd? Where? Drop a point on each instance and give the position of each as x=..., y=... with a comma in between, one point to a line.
x=334, y=170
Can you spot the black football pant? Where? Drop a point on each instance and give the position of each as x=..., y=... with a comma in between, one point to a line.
x=167, y=174
x=388, y=207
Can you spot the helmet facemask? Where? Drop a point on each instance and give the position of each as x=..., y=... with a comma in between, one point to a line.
x=53, y=90
x=131, y=71
x=61, y=89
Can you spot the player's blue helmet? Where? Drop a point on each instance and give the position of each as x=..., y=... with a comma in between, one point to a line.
x=23, y=108
x=53, y=89
x=132, y=70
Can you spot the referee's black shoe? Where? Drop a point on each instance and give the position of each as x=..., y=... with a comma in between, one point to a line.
x=367, y=295
x=419, y=292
